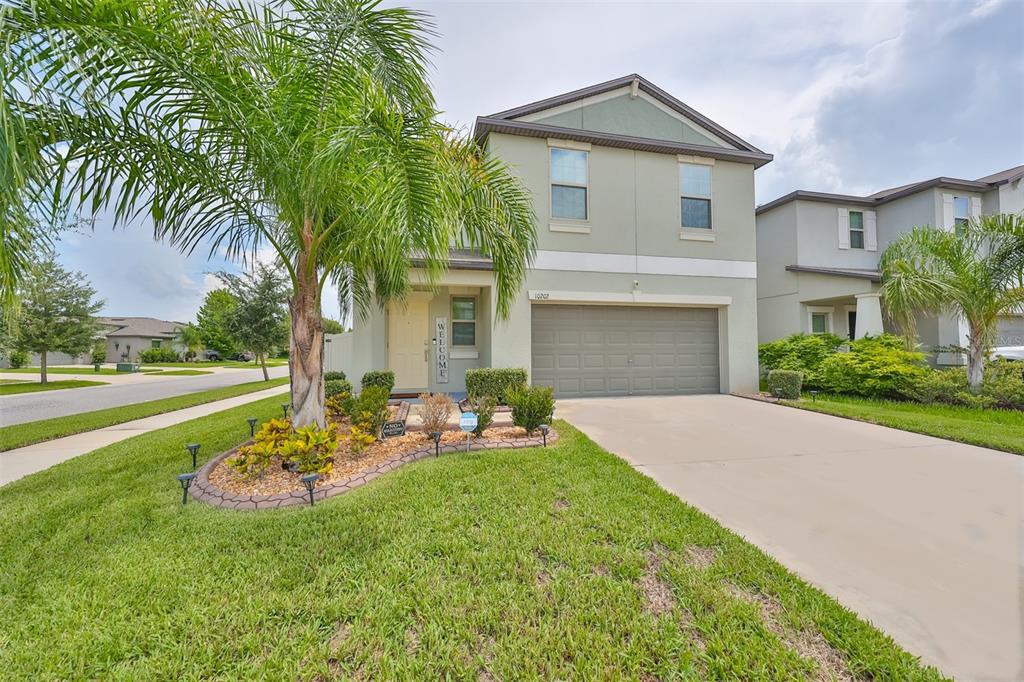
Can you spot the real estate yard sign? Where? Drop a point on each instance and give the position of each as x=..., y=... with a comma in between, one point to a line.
x=441, y=341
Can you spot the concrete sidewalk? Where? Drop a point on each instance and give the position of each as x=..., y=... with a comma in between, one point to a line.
x=920, y=536
x=15, y=464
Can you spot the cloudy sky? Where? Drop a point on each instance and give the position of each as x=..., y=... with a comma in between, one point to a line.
x=849, y=97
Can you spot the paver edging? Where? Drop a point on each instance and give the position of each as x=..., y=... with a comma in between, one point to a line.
x=203, y=490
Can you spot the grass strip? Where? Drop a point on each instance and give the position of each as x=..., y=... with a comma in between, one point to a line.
x=990, y=428
x=35, y=386
x=553, y=563
x=28, y=433
x=179, y=373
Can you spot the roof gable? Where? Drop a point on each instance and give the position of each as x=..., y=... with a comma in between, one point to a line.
x=628, y=112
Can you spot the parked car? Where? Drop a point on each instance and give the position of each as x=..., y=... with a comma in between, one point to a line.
x=1009, y=352
x=243, y=357
x=212, y=356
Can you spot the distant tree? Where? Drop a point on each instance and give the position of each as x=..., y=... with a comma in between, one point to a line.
x=57, y=313
x=191, y=339
x=212, y=322
x=257, y=319
x=332, y=326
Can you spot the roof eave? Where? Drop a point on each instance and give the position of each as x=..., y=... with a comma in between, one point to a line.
x=486, y=125
x=849, y=199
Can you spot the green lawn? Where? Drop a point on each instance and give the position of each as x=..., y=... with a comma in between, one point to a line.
x=999, y=429
x=84, y=369
x=58, y=427
x=34, y=386
x=558, y=563
x=231, y=364
x=179, y=373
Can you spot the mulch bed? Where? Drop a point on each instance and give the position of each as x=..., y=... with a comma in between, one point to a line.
x=219, y=485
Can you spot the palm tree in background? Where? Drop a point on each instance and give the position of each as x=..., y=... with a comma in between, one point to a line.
x=190, y=338
x=307, y=127
x=975, y=273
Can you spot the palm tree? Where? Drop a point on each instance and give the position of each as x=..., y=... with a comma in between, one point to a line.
x=975, y=272
x=191, y=339
x=305, y=126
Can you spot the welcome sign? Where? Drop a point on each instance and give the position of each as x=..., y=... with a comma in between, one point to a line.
x=441, y=337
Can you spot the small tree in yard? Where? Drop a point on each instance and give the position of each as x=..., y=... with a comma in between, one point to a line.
x=256, y=320
x=212, y=321
x=57, y=313
x=975, y=272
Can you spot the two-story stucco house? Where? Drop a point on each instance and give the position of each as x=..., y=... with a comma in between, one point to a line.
x=645, y=276
x=818, y=255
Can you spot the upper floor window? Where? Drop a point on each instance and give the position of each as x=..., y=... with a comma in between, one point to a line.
x=569, y=184
x=856, y=230
x=463, y=321
x=695, y=195
x=961, y=212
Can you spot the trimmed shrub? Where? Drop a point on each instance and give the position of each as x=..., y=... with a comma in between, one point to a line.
x=17, y=359
x=437, y=407
x=158, y=355
x=531, y=406
x=99, y=353
x=334, y=376
x=875, y=367
x=369, y=410
x=938, y=386
x=789, y=382
x=1004, y=383
x=801, y=352
x=335, y=387
x=495, y=381
x=483, y=406
x=384, y=378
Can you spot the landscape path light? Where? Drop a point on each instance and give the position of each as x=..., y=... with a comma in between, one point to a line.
x=436, y=437
x=778, y=394
x=252, y=426
x=544, y=428
x=310, y=483
x=284, y=407
x=185, y=480
x=814, y=396
x=193, y=449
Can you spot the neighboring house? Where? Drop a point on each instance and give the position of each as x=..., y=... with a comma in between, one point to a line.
x=645, y=276
x=127, y=336
x=818, y=255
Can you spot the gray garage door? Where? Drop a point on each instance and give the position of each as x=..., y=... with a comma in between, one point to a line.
x=582, y=350
x=1010, y=331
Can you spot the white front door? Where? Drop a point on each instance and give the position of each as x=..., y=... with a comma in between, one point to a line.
x=409, y=342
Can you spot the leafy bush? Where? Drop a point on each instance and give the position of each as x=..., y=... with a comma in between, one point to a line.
x=17, y=359
x=336, y=387
x=369, y=409
x=531, y=406
x=437, y=407
x=99, y=352
x=384, y=378
x=253, y=460
x=158, y=355
x=785, y=383
x=801, y=352
x=1004, y=383
x=334, y=376
x=311, y=449
x=359, y=439
x=337, y=405
x=483, y=407
x=875, y=367
x=495, y=381
x=938, y=385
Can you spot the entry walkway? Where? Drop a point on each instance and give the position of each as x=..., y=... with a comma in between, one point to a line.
x=15, y=464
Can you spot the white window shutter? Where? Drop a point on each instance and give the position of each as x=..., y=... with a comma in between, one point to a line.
x=947, y=211
x=843, y=227
x=975, y=207
x=870, y=231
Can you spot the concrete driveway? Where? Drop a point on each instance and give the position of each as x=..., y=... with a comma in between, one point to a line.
x=920, y=536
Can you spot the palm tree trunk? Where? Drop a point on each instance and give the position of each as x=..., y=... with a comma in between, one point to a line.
x=42, y=366
x=305, y=357
x=975, y=362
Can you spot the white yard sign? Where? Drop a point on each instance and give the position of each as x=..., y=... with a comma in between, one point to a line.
x=441, y=338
